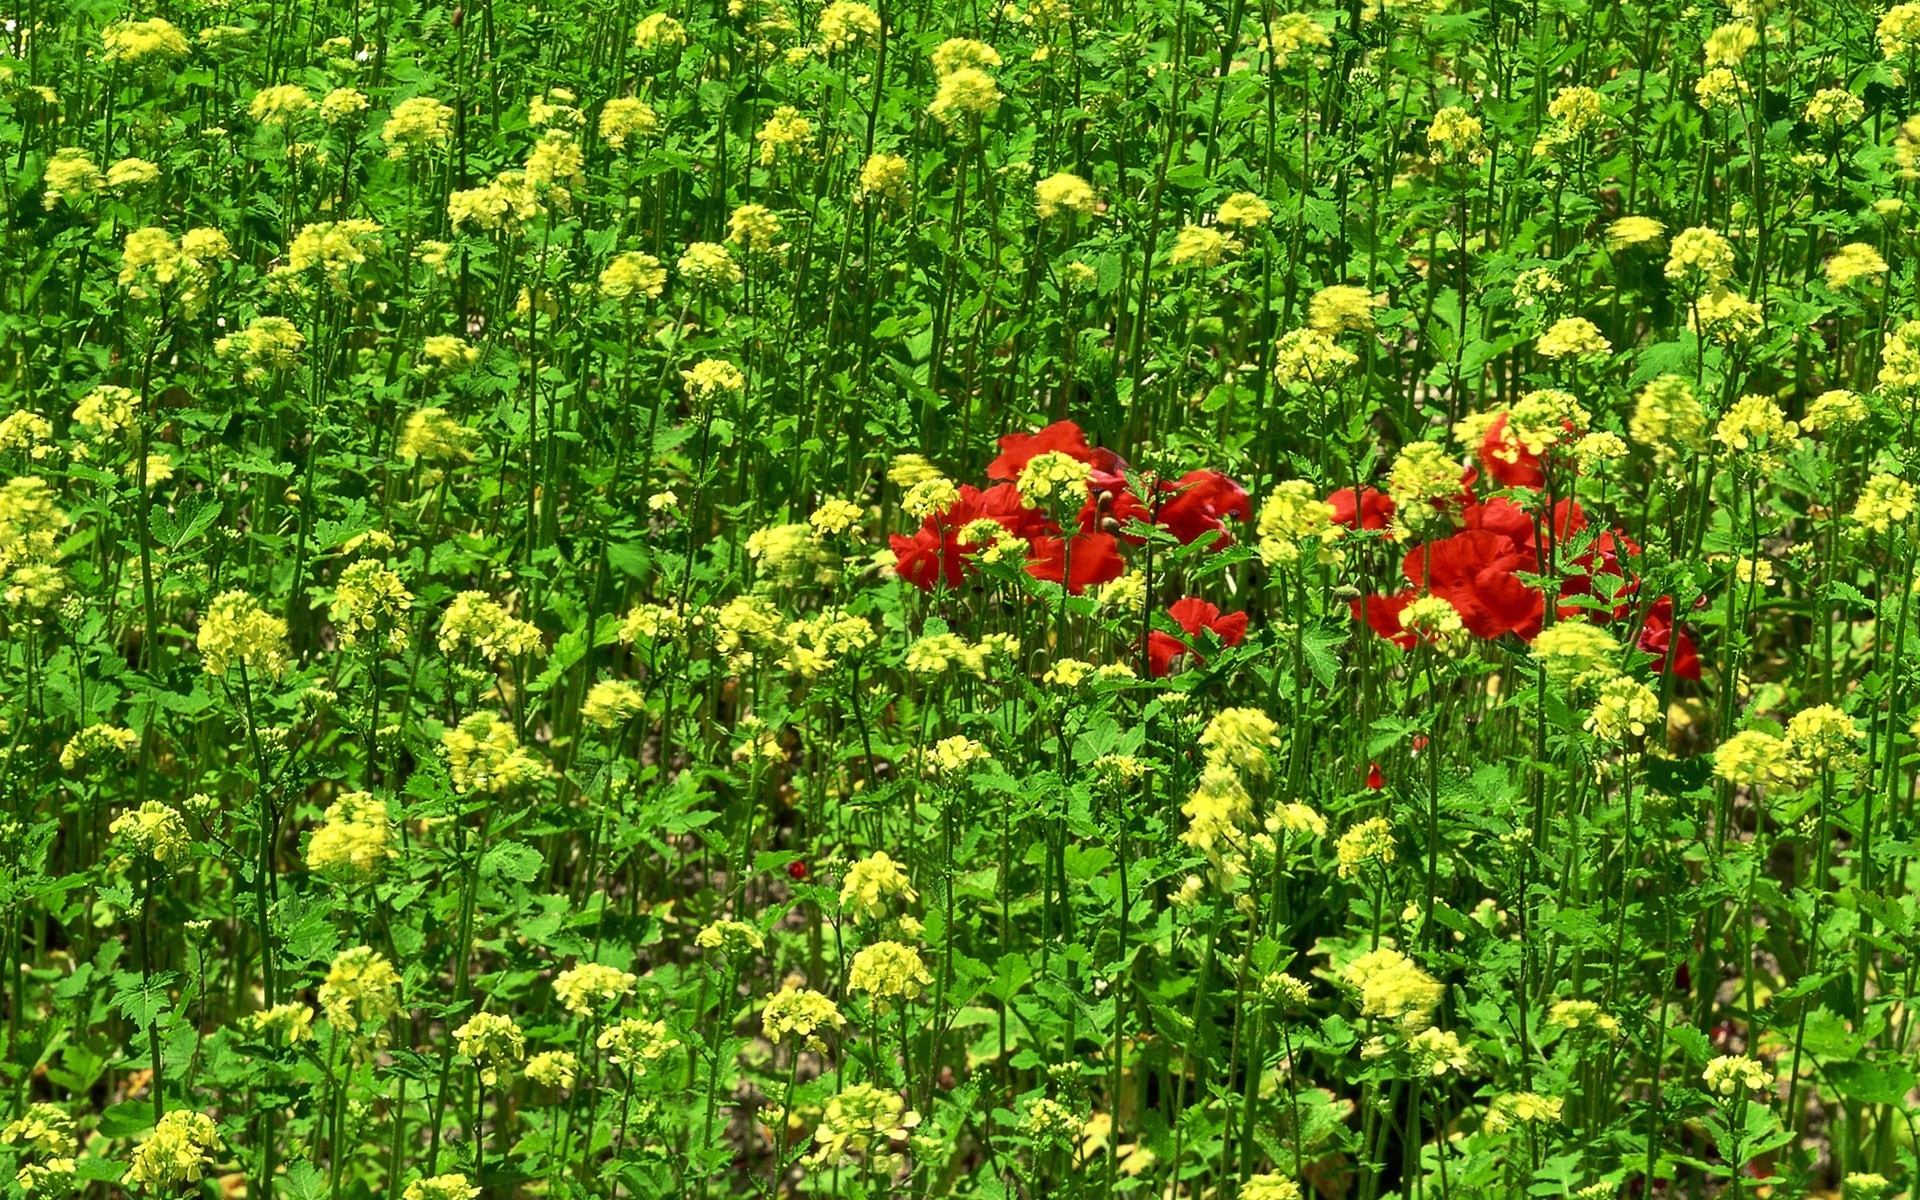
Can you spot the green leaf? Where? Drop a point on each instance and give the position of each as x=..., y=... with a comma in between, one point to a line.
x=511, y=860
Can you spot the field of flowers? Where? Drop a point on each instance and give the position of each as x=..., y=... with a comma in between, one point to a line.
x=1173, y=599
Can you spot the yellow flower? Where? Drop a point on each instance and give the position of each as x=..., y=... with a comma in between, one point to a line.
x=1523, y=1108
x=889, y=971
x=1337, y=309
x=1307, y=357
x=1755, y=423
x=1753, y=757
x=872, y=884
x=433, y=435
x=236, y=631
x=956, y=54
x=965, y=95
x=755, y=227
x=418, y=123
x=1886, y=500
x=635, y=1043
x=1393, y=987
x=1063, y=194
x=1289, y=34
x=484, y=755
x=1634, y=231
x=156, y=831
x=1729, y=1074
x=847, y=24
x=1293, y=518
x=1835, y=409
x=177, y=1150
x=1572, y=336
x=659, y=31
x=1201, y=246
x=1899, y=31
x=592, y=987
x=1719, y=88
x=632, y=275
x=279, y=104
x=1453, y=133
x=1243, y=210
x=860, y=1119
x=885, y=177
x=1728, y=45
x=356, y=839
x=612, y=702
x=785, y=129
x=69, y=175
x=623, y=119
x=1854, y=261
x=361, y=990
x=708, y=265
x=156, y=37
x=1370, y=841
x=1832, y=108
x=490, y=1041
x=552, y=1068
x=1700, y=256
x=440, y=1187
x=475, y=620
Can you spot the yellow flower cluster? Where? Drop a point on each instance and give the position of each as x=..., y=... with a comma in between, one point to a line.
x=157, y=831
x=1369, y=841
x=1308, y=358
x=1668, y=419
x=1392, y=987
x=1340, y=309
x=1422, y=480
x=490, y=1041
x=635, y=1043
x=888, y=971
x=474, y=620
x=484, y=755
x=1294, y=517
x=356, y=840
x=237, y=631
x=416, y=124
x=1886, y=500
x=1624, y=706
x=860, y=1119
x=803, y=1014
x=1063, y=195
x=361, y=990
x=1730, y=1074
x=592, y=987
x=872, y=884
x=1572, y=336
x=176, y=1152
x=87, y=747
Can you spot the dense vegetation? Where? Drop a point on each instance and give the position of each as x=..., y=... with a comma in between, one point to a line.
x=1170, y=599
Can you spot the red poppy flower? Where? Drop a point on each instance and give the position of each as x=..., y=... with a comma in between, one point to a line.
x=1192, y=506
x=1476, y=571
x=1375, y=780
x=1094, y=558
x=1372, y=509
x=1382, y=615
x=1507, y=460
x=935, y=554
x=1597, y=573
x=796, y=870
x=1193, y=616
x=1661, y=637
x=1065, y=437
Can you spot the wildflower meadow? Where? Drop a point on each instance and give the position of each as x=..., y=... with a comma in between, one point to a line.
x=1051, y=599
